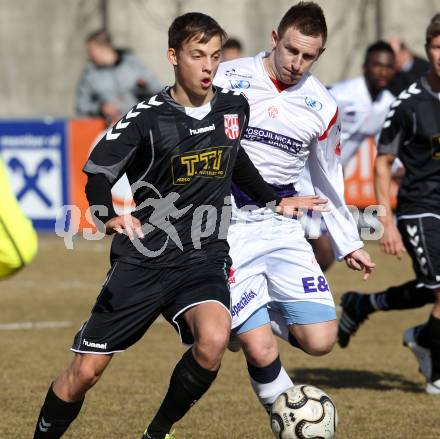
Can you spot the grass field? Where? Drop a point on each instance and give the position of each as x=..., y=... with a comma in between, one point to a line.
x=374, y=383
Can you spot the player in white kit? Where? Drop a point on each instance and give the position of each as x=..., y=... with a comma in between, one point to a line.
x=293, y=120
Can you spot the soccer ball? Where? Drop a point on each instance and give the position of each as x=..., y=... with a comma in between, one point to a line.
x=303, y=412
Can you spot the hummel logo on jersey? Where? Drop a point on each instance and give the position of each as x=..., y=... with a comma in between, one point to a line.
x=43, y=425
x=90, y=344
x=202, y=130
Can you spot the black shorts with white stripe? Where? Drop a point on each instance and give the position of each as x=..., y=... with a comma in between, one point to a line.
x=133, y=296
x=421, y=237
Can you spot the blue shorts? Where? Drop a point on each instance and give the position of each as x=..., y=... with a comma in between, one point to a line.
x=259, y=318
x=294, y=313
x=303, y=312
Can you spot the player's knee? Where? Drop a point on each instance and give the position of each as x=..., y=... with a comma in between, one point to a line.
x=259, y=354
x=319, y=341
x=210, y=347
x=320, y=346
x=86, y=375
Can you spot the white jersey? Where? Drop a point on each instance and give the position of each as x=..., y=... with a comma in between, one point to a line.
x=288, y=129
x=361, y=117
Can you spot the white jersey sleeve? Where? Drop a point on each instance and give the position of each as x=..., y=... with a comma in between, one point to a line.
x=328, y=182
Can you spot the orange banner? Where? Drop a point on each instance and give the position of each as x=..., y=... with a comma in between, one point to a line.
x=359, y=177
x=83, y=135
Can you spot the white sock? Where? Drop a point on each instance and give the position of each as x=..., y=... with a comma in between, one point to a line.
x=267, y=393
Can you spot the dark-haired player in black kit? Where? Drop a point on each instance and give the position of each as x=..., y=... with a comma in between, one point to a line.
x=180, y=151
x=412, y=133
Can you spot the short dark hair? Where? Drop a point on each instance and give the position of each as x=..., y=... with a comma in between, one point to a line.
x=433, y=30
x=187, y=26
x=378, y=46
x=307, y=17
x=100, y=36
x=233, y=43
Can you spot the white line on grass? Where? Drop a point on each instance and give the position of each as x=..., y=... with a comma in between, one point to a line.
x=55, y=285
x=17, y=326
x=33, y=325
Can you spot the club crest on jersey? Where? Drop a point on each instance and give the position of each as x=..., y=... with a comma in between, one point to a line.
x=272, y=112
x=232, y=127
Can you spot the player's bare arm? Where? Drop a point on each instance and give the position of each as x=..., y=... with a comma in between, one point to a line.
x=391, y=241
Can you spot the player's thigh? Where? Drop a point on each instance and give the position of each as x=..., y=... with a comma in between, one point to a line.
x=209, y=322
x=199, y=300
x=317, y=335
x=421, y=236
x=129, y=302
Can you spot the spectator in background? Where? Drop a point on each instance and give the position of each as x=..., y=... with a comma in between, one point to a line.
x=232, y=49
x=364, y=101
x=409, y=66
x=113, y=82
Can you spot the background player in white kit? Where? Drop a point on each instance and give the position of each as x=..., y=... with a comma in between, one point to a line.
x=364, y=101
x=293, y=120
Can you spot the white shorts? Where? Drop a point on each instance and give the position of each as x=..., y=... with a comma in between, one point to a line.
x=273, y=262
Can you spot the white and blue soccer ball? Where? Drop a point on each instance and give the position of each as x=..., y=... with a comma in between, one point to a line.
x=303, y=412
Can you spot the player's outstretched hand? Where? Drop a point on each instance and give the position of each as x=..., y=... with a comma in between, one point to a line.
x=391, y=242
x=293, y=206
x=360, y=260
x=124, y=224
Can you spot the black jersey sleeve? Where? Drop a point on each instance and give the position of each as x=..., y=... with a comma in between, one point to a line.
x=115, y=151
x=110, y=159
x=395, y=131
x=98, y=192
x=249, y=180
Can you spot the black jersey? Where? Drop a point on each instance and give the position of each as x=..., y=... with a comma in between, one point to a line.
x=412, y=132
x=180, y=169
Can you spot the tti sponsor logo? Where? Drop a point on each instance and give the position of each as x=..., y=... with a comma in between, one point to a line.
x=208, y=163
x=91, y=344
x=245, y=299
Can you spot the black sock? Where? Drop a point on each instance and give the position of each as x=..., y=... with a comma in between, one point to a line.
x=433, y=328
x=267, y=373
x=405, y=296
x=188, y=383
x=55, y=416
